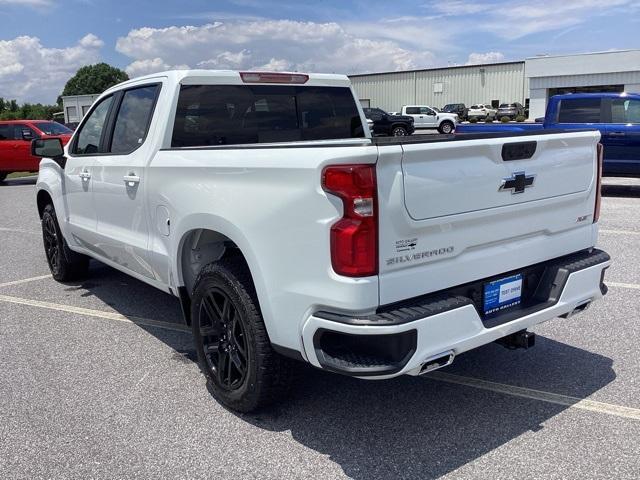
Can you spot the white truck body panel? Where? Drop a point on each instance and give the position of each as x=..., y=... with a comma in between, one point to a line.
x=267, y=199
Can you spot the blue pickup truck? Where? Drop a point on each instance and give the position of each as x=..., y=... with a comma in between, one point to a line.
x=616, y=115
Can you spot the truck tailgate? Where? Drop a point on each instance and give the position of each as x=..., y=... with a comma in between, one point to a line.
x=457, y=211
x=440, y=180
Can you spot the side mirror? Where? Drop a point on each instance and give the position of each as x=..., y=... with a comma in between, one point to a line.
x=49, y=148
x=26, y=135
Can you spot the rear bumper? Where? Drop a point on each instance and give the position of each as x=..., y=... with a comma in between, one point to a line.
x=401, y=338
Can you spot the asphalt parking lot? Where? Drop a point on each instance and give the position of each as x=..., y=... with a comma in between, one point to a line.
x=97, y=381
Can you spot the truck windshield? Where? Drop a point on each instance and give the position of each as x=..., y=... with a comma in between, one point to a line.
x=210, y=115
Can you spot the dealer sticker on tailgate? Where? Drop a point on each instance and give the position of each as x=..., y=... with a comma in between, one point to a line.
x=502, y=293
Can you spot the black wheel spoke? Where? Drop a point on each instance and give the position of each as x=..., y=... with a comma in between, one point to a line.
x=224, y=343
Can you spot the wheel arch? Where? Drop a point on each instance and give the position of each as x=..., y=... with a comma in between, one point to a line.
x=207, y=242
x=43, y=198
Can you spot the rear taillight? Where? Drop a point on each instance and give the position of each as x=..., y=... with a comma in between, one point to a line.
x=354, y=238
x=596, y=209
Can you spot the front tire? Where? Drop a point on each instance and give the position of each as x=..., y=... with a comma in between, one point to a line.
x=234, y=352
x=65, y=265
x=446, y=127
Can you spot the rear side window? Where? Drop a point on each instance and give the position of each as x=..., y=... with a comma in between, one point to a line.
x=209, y=115
x=6, y=132
x=579, y=110
x=91, y=131
x=413, y=110
x=625, y=110
x=132, y=121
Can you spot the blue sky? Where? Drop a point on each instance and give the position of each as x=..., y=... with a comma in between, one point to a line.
x=43, y=42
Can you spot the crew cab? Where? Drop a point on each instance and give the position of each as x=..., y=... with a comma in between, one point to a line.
x=15, y=143
x=287, y=232
x=425, y=116
x=615, y=115
x=384, y=123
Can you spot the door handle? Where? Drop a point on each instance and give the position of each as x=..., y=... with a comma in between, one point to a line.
x=617, y=134
x=131, y=180
x=84, y=175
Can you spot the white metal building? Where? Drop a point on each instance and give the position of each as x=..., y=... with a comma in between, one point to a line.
x=617, y=71
x=76, y=106
x=469, y=84
x=530, y=82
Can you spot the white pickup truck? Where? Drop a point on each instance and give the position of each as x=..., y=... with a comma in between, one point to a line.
x=263, y=203
x=426, y=117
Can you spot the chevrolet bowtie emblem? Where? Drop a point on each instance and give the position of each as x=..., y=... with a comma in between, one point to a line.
x=517, y=183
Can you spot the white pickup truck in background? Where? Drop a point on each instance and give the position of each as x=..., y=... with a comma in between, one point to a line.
x=263, y=203
x=425, y=116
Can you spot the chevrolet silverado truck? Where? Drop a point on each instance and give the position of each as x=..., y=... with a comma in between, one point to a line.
x=287, y=232
x=615, y=115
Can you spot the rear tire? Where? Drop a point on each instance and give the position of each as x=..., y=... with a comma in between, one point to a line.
x=446, y=127
x=65, y=264
x=3, y=175
x=399, y=132
x=234, y=351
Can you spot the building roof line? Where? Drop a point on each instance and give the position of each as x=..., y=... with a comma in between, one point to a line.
x=519, y=62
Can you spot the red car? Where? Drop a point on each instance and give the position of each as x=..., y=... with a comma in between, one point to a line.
x=15, y=143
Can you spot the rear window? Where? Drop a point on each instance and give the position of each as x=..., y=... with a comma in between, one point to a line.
x=209, y=115
x=579, y=110
x=52, y=128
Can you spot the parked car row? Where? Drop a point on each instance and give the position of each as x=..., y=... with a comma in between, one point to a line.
x=410, y=118
x=15, y=143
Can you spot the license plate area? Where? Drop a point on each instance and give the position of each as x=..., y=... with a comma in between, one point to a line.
x=502, y=294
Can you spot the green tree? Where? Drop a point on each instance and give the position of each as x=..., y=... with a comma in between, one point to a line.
x=93, y=79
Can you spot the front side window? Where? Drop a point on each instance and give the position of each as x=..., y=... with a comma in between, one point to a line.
x=625, y=111
x=91, y=131
x=579, y=110
x=132, y=121
x=426, y=111
x=209, y=115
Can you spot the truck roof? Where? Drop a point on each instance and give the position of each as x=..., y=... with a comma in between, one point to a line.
x=232, y=77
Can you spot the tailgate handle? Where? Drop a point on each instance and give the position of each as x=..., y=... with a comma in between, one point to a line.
x=518, y=151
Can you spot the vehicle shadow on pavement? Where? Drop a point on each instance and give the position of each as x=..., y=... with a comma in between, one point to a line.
x=30, y=180
x=610, y=190
x=414, y=427
x=408, y=427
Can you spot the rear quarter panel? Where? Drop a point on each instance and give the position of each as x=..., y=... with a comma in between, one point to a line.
x=270, y=203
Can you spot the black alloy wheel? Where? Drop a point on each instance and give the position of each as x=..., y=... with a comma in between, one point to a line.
x=224, y=340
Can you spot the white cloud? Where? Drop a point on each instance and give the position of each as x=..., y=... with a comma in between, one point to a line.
x=518, y=18
x=28, y=3
x=488, y=57
x=31, y=72
x=269, y=44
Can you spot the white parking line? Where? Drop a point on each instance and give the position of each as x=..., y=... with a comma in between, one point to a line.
x=548, y=397
x=95, y=313
x=24, y=280
x=620, y=232
x=633, y=286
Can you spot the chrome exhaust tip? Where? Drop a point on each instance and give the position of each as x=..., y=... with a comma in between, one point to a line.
x=437, y=361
